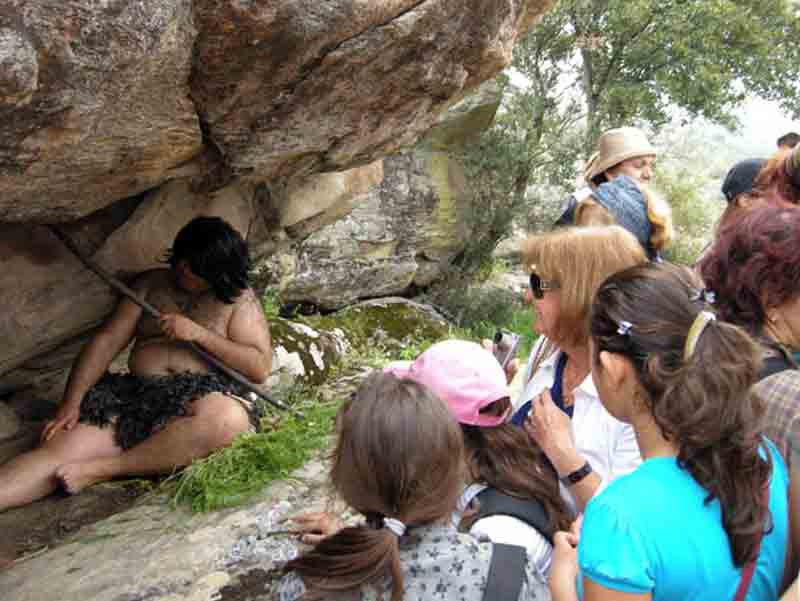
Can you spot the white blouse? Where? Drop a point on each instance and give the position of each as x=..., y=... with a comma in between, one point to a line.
x=608, y=444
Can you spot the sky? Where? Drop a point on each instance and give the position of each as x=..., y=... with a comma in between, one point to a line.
x=762, y=123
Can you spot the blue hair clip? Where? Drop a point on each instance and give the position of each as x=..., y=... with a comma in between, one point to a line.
x=705, y=295
x=624, y=328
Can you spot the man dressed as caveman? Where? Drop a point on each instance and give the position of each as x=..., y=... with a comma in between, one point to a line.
x=171, y=408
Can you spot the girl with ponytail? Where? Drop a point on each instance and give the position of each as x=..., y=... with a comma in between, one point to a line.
x=705, y=515
x=399, y=462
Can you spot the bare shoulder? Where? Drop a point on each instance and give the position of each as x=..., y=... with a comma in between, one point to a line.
x=248, y=322
x=248, y=302
x=248, y=312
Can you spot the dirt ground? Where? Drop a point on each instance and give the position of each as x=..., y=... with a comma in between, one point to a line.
x=32, y=529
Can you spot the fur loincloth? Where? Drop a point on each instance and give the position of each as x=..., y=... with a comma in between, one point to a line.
x=139, y=406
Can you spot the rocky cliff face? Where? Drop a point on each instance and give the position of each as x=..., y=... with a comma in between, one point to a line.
x=402, y=232
x=122, y=120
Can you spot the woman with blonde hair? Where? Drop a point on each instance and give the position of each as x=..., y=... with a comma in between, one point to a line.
x=399, y=462
x=559, y=405
x=634, y=206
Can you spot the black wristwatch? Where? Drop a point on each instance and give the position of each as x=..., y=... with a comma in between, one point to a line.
x=578, y=475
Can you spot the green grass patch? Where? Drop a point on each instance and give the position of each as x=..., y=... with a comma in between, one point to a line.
x=271, y=303
x=235, y=474
x=519, y=322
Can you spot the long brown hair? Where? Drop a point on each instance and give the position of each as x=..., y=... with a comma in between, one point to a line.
x=505, y=458
x=701, y=403
x=399, y=455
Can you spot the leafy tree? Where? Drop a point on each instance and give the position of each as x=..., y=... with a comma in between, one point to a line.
x=637, y=58
x=533, y=140
x=595, y=64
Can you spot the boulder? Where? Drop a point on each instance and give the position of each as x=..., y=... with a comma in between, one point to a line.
x=121, y=121
x=389, y=322
x=302, y=353
x=324, y=86
x=94, y=103
x=307, y=351
x=101, y=101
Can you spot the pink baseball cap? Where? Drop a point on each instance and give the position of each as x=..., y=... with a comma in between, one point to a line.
x=463, y=374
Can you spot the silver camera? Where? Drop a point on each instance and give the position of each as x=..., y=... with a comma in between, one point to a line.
x=504, y=346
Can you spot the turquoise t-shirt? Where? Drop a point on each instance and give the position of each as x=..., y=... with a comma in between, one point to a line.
x=650, y=531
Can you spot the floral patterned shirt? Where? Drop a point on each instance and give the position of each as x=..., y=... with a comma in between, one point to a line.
x=439, y=564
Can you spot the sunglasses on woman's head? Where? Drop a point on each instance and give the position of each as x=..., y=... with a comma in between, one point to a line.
x=540, y=286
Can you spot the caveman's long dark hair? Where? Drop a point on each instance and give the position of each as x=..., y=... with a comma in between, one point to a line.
x=702, y=403
x=503, y=457
x=399, y=455
x=217, y=253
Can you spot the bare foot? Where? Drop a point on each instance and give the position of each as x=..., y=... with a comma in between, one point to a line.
x=75, y=477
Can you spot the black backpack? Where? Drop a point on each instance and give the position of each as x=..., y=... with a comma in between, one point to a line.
x=507, y=568
x=493, y=502
x=506, y=573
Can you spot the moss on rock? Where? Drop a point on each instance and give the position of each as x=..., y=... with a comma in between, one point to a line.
x=391, y=319
x=307, y=351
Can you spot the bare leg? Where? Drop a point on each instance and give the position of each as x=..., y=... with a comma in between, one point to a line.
x=216, y=420
x=31, y=476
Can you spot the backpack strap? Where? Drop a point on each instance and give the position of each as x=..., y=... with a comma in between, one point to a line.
x=750, y=567
x=506, y=573
x=493, y=502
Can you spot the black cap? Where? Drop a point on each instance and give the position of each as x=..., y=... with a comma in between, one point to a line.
x=741, y=178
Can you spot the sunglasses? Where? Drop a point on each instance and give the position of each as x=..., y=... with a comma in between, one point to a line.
x=540, y=286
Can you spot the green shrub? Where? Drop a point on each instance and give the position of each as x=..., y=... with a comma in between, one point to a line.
x=479, y=311
x=693, y=215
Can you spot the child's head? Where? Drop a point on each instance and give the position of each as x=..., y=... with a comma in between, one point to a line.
x=470, y=380
x=645, y=314
x=399, y=462
x=399, y=452
x=465, y=376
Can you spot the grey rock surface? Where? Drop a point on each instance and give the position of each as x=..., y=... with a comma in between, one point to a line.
x=154, y=552
x=403, y=232
x=120, y=121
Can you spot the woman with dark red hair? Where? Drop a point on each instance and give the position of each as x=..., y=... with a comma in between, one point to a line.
x=754, y=272
x=755, y=275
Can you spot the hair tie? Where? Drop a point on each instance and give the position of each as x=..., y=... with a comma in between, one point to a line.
x=396, y=526
x=624, y=328
x=705, y=295
x=698, y=326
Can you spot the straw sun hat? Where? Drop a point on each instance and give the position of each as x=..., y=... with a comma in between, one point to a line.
x=615, y=146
